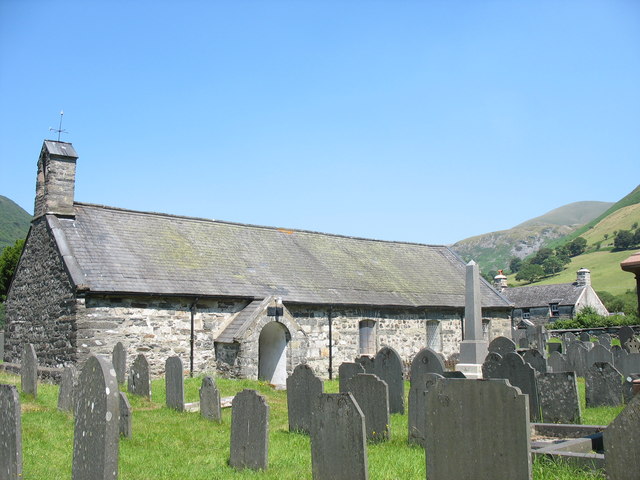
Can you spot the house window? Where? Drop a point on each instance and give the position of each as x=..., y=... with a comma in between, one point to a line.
x=434, y=336
x=486, y=329
x=555, y=312
x=367, y=337
x=525, y=313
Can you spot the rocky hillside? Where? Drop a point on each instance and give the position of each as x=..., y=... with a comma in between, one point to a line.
x=14, y=222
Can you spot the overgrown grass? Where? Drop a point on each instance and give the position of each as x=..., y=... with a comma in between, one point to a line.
x=168, y=445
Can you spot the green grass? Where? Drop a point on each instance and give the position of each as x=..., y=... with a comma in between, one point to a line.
x=169, y=445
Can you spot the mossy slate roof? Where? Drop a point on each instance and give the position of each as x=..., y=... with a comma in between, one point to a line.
x=542, y=295
x=126, y=251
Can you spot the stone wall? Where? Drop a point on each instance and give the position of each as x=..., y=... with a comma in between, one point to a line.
x=41, y=304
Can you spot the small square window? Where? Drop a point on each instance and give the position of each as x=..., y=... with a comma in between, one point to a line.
x=555, y=311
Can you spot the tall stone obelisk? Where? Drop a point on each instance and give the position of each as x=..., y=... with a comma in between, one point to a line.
x=473, y=348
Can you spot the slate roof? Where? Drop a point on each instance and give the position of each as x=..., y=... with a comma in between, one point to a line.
x=542, y=295
x=127, y=251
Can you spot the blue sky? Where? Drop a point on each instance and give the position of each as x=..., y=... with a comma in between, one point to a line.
x=422, y=121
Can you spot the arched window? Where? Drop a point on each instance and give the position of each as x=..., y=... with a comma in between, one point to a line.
x=367, y=337
x=434, y=336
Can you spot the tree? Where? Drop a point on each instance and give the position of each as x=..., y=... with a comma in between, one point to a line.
x=623, y=239
x=8, y=263
x=577, y=246
x=530, y=273
x=552, y=265
x=515, y=264
x=636, y=238
x=541, y=255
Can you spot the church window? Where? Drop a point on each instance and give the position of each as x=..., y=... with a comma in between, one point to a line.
x=367, y=337
x=434, y=335
x=555, y=312
x=486, y=329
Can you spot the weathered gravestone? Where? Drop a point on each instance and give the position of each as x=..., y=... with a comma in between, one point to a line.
x=632, y=345
x=618, y=353
x=603, y=385
x=568, y=338
x=302, y=388
x=554, y=347
x=338, y=439
x=559, y=399
x=622, y=444
x=210, y=400
x=125, y=416
x=501, y=345
x=426, y=361
x=577, y=357
x=523, y=342
x=604, y=339
x=1, y=346
x=97, y=423
x=139, y=378
x=29, y=370
x=68, y=388
x=625, y=333
x=367, y=362
x=585, y=337
x=372, y=396
x=348, y=370
x=174, y=382
x=119, y=360
x=10, y=434
x=522, y=375
x=388, y=368
x=418, y=406
x=599, y=354
x=491, y=366
x=249, y=431
x=629, y=364
x=627, y=387
x=461, y=444
x=558, y=362
x=534, y=358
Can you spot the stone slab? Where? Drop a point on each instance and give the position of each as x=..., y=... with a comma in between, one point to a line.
x=1, y=346
x=622, y=443
x=10, y=433
x=603, y=386
x=302, y=388
x=126, y=414
x=348, y=370
x=372, y=396
x=558, y=362
x=139, y=381
x=559, y=400
x=426, y=361
x=249, y=431
x=174, y=383
x=29, y=370
x=625, y=333
x=418, y=407
x=210, y=407
x=502, y=345
x=599, y=354
x=388, y=368
x=119, y=360
x=534, y=358
x=68, y=388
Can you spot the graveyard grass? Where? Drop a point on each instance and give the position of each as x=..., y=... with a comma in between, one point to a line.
x=169, y=445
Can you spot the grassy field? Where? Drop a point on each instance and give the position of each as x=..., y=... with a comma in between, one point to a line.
x=168, y=445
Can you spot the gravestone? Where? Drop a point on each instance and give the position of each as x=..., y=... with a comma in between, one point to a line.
x=426, y=361
x=534, y=358
x=453, y=375
x=174, y=382
x=603, y=385
x=367, y=363
x=501, y=345
x=577, y=357
x=627, y=387
x=348, y=370
x=302, y=388
x=559, y=399
x=210, y=400
x=554, y=347
x=1, y=346
x=338, y=439
x=537, y=336
x=97, y=423
x=418, y=407
x=604, y=339
x=491, y=366
x=585, y=337
x=621, y=440
x=523, y=342
x=10, y=433
x=68, y=388
x=558, y=363
x=625, y=333
x=461, y=444
x=618, y=353
x=388, y=368
x=629, y=364
x=372, y=396
x=119, y=360
x=139, y=378
x=599, y=354
x=125, y=416
x=632, y=345
x=29, y=370
x=512, y=367
x=568, y=338
x=249, y=431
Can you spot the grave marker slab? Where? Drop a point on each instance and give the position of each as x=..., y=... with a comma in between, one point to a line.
x=372, y=396
x=577, y=357
x=554, y=347
x=249, y=431
x=338, y=439
x=96, y=430
x=426, y=361
x=367, y=363
x=604, y=339
x=534, y=358
x=523, y=342
x=29, y=370
x=68, y=388
x=388, y=367
x=210, y=400
x=302, y=388
x=627, y=387
x=498, y=444
x=558, y=363
x=174, y=381
x=119, y=360
x=625, y=333
x=125, y=415
x=491, y=366
x=622, y=443
x=603, y=385
x=348, y=370
x=501, y=345
x=418, y=407
x=139, y=382
x=10, y=433
x=599, y=354
x=1, y=346
x=632, y=345
x=618, y=354
x=559, y=399
x=629, y=364
x=585, y=337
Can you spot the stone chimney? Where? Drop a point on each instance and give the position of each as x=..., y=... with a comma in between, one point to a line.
x=500, y=281
x=583, y=277
x=56, y=179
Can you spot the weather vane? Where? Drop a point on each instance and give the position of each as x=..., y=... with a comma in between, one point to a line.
x=59, y=129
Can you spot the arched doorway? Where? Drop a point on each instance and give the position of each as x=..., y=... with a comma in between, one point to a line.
x=272, y=353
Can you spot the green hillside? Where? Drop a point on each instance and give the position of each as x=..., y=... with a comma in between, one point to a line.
x=577, y=213
x=14, y=222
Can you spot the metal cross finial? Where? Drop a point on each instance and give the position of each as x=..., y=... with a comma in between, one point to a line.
x=59, y=129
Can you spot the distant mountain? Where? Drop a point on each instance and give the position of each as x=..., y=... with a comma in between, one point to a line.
x=14, y=222
x=492, y=251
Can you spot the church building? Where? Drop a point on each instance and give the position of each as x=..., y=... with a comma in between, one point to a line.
x=240, y=300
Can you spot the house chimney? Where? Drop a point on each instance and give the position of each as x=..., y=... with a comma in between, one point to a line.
x=583, y=277
x=500, y=281
x=56, y=180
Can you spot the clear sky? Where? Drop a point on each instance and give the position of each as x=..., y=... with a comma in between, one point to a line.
x=423, y=121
